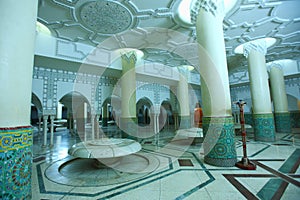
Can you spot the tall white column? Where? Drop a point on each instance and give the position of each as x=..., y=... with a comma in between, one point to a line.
x=17, y=39
x=40, y=122
x=51, y=129
x=59, y=110
x=280, y=101
x=80, y=121
x=45, y=130
x=260, y=93
x=128, y=86
x=97, y=131
x=183, y=98
x=128, y=121
x=213, y=65
x=105, y=115
x=93, y=126
x=278, y=89
x=219, y=146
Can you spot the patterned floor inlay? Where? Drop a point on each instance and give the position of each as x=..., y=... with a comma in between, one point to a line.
x=181, y=173
x=185, y=162
x=38, y=159
x=279, y=179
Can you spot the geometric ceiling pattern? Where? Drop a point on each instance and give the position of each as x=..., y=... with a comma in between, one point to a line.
x=93, y=21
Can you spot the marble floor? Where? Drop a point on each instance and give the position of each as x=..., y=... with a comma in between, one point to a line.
x=166, y=169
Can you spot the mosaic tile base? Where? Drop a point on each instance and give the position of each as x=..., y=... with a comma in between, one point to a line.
x=283, y=122
x=264, y=129
x=219, y=145
x=15, y=163
x=295, y=119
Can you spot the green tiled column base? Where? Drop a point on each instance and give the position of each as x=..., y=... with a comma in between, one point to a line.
x=15, y=162
x=185, y=122
x=129, y=127
x=249, y=118
x=283, y=122
x=264, y=129
x=219, y=144
x=295, y=119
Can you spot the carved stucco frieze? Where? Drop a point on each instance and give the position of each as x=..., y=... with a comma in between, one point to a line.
x=277, y=65
x=215, y=7
x=258, y=45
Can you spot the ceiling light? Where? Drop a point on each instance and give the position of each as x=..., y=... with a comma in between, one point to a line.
x=187, y=67
x=41, y=28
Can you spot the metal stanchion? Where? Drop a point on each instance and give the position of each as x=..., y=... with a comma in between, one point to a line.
x=245, y=163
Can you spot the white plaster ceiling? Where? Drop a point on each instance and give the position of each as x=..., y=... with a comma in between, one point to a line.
x=93, y=21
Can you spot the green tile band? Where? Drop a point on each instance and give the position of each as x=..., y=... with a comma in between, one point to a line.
x=283, y=122
x=264, y=129
x=249, y=118
x=15, y=163
x=295, y=119
x=219, y=144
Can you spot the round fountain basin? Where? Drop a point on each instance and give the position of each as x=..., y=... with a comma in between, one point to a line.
x=105, y=148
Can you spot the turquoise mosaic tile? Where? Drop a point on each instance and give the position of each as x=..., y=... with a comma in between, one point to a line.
x=264, y=128
x=15, y=163
x=219, y=145
x=283, y=122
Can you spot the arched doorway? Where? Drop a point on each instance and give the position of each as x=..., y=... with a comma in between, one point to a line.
x=77, y=109
x=143, y=107
x=166, y=116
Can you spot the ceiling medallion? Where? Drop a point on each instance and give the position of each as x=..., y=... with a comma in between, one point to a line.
x=105, y=17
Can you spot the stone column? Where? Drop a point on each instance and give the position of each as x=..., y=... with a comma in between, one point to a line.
x=70, y=121
x=183, y=99
x=51, y=129
x=93, y=124
x=280, y=102
x=45, y=130
x=218, y=127
x=96, y=127
x=128, y=121
x=260, y=93
x=104, y=115
x=17, y=43
x=80, y=121
x=59, y=110
x=40, y=123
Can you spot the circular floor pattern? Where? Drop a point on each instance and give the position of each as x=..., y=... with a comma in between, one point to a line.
x=84, y=173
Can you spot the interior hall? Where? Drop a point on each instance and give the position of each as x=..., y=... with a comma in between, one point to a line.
x=149, y=100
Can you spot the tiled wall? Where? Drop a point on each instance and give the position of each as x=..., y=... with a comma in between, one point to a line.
x=295, y=118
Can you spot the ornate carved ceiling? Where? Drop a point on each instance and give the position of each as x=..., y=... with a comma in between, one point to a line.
x=93, y=21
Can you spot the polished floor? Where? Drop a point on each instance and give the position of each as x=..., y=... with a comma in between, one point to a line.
x=166, y=169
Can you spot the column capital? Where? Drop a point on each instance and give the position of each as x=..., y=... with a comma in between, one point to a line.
x=275, y=65
x=156, y=108
x=215, y=7
x=260, y=46
x=129, y=57
x=183, y=71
